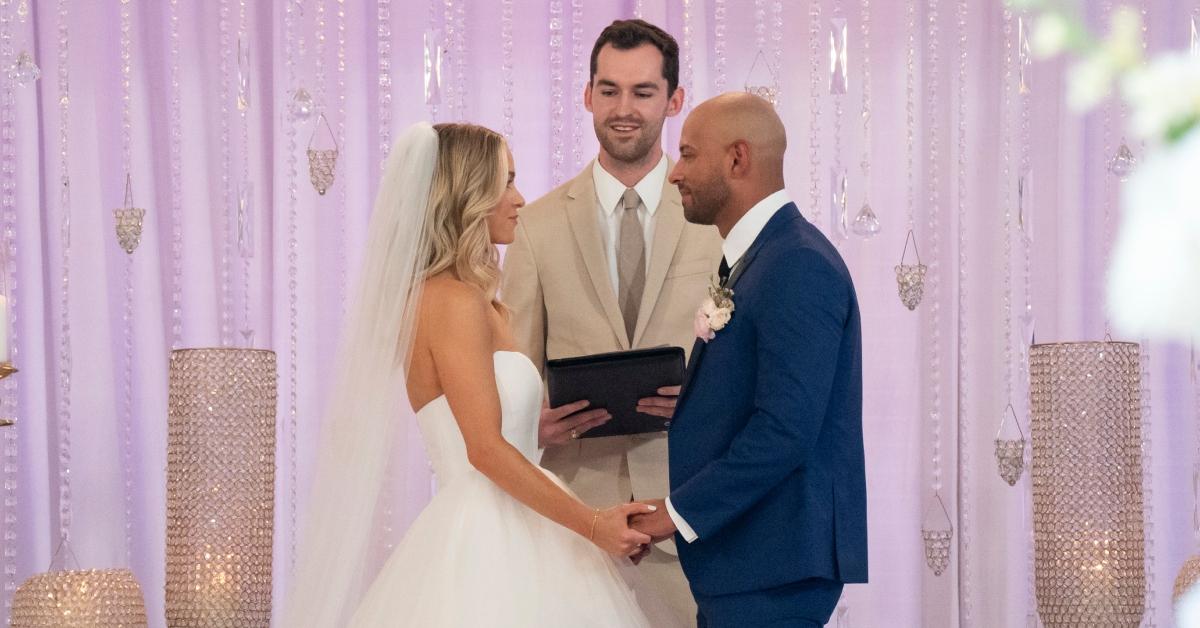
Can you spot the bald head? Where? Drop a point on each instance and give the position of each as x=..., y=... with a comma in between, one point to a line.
x=730, y=157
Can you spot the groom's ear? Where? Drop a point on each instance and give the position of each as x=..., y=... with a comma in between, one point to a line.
x=587, y=97
x=675, y=102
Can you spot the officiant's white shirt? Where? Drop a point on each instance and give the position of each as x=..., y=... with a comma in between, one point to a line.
x=740, y=237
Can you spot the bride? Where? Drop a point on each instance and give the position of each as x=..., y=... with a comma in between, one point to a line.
x=502, y=543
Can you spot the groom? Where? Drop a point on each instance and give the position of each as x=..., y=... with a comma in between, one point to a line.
x=768, y=489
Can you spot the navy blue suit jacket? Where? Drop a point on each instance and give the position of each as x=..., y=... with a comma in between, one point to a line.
x=766, y=447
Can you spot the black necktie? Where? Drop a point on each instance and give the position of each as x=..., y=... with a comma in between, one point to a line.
x=723, y=271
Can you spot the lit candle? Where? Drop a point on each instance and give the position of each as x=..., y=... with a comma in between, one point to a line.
x=3, y=329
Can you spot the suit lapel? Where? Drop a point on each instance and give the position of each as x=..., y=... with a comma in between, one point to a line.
x=735, y=274
x=581, y=213
x=668, y=228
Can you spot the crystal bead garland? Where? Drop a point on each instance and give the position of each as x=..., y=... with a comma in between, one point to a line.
x=719, y=45
x=64, y=365
x=941, y=538
x=557, y=106
x=965, y=399
x=866, y=223
x=687, y=71
x=343, y=217
x=9, y=389
x=1147, y=423
x=910, y=277
x=776, y=43
x=383, y=34
x=460, y=54
x=290, y=53
x=245, y=203
x=506, y=45
x=227, y=202
x=323, y=146
x=814, y=112
x=839, y=219
x=579, y=69
x=175, y=143
x=128, y=318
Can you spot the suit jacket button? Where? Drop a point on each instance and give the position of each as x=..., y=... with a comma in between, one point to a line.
x=666, y=424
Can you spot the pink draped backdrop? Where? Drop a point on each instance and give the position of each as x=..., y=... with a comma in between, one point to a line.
x=91, y=395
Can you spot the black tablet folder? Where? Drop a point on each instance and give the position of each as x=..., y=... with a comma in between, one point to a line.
x=615, y=381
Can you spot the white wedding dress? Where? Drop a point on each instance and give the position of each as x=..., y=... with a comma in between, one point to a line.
x=477, y=557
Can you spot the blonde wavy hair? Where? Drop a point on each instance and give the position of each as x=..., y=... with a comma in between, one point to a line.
x=469, y=178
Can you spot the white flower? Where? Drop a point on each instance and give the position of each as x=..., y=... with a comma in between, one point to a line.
x=1163, y=94
x=719, y=319
x=1152, y=283
x=1090, y=82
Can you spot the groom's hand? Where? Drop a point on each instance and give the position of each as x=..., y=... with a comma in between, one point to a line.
x=661, y=406
x=561, y=425
x=658, y=524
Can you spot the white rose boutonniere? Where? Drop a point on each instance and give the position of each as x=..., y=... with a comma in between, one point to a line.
x=714, y=314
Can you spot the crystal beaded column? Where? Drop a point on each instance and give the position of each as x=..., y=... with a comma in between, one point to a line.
x=220, y=487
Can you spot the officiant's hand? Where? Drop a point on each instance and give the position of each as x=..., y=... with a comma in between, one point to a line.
x=657, y=523
x=613, y=534
x=661, y=406
x=561, y=425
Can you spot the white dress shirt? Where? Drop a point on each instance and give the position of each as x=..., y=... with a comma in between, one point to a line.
x=609, y=191
x=737, y=242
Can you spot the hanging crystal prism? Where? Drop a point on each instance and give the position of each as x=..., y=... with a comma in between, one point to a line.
x=1010, y=452
x=866, y=224
x=302, y=105
x=243, y=61
x=937, y=534
x=1028, y=334
x=1025, y=204
x=761, y=80
x=838, y=73
x=839, y=219
x=1195, y=47
x=1122, y=163
x=433, y=67
x=1024, y=55
x=24, y=71
x=245, y=219
x=247, y=337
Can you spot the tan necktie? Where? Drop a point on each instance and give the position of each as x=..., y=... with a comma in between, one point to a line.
x=631, y=261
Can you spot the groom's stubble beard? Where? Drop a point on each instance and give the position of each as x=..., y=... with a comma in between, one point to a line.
x=635, y=152
x=703, y=201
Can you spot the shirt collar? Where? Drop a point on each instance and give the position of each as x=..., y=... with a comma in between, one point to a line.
x=747, y=228
x=609, y=190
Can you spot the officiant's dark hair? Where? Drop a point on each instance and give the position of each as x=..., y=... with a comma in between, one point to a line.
x=629, y=34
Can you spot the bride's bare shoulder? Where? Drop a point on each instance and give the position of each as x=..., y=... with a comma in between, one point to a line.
x=447, y=301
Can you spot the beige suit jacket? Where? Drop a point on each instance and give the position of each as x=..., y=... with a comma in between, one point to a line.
x=556, y=282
